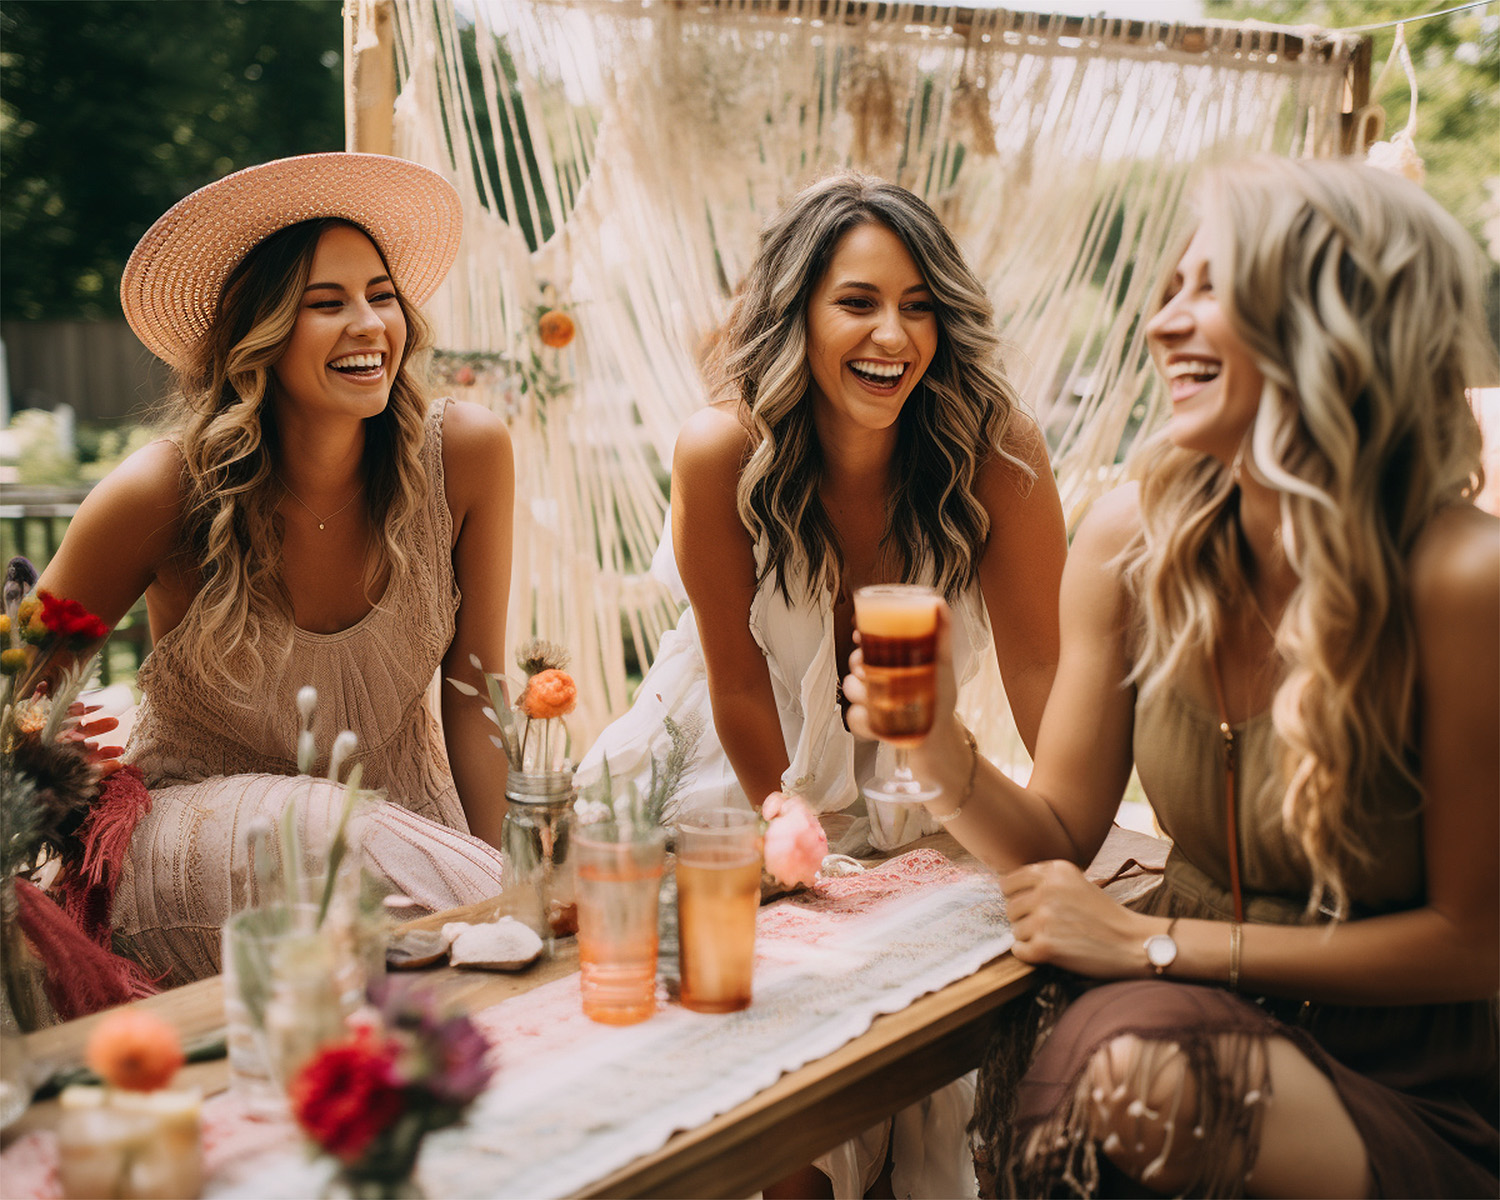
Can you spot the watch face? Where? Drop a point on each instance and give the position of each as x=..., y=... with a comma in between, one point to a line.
x=1161, y=950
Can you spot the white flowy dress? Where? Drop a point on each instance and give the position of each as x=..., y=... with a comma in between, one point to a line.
x=931, y=1154
x=828, y=765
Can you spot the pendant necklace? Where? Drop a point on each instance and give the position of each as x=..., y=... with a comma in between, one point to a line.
x=320, y=520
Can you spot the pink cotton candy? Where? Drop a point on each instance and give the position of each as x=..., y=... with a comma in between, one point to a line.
x=794, y=842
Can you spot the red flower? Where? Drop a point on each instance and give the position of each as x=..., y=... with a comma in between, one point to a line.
x=346, y=1095
x=69, y=619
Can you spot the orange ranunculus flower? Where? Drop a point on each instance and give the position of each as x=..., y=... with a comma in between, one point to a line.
x=556, y=327
x=134, y=1050
x=549, y=694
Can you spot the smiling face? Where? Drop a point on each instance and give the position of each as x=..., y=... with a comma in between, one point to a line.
x=350, y=331
x=872, y=330
x=1213, y=381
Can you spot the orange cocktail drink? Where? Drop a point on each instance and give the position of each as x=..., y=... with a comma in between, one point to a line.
x=898, y=637
x=718, y=895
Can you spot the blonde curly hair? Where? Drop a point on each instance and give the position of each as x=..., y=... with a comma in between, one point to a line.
x=1360, y=301
x=225, y=428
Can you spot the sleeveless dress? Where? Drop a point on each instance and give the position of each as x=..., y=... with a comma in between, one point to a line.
x=1419, y=1081
x=827, y=765
x=216, y=764
x=928, y=1140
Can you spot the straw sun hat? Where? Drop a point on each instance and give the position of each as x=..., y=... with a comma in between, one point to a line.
x=171, y=286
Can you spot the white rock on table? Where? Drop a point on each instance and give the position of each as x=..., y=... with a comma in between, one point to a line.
x=503, y=945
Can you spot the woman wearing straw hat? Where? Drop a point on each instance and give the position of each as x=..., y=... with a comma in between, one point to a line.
x=310, y=521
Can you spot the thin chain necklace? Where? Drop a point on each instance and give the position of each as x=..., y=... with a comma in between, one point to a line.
x=320, y=520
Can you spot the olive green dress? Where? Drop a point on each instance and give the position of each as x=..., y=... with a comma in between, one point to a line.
x=1419, y=1081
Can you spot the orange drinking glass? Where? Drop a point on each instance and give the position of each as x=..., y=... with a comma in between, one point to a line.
x=618, y=882
x=718, y=895
x=897, y=625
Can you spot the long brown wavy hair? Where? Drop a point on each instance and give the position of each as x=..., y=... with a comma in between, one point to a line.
x=226, y=430
x=957, y=416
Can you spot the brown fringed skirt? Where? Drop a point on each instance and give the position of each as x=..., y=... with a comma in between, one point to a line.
x=1419, y=1082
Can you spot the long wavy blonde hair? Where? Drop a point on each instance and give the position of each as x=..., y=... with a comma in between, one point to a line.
x=226, y=430
x=955, y=418
x=1359, y=298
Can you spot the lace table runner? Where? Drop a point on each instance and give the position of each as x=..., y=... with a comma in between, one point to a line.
x=573, y=1101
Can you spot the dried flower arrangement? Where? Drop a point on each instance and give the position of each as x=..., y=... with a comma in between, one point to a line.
x=548, y=695
x=57, y=810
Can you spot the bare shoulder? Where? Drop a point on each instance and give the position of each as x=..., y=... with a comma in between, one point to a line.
x=474, y=436
x=1000, y=479
x=1455, y=571
x=143, y=495
x=1112, y=524
x=712, y=442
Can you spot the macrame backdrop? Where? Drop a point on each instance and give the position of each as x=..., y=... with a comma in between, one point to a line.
x=664, y=134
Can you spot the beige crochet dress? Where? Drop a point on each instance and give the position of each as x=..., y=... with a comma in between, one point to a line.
x=216, y=765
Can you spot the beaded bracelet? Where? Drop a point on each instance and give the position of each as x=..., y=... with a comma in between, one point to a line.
x=945, y=818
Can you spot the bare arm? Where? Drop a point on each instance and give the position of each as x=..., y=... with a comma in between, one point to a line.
x=716, y=559
x=1020, y=574
x=1444, y=950
x=481, y=482
x=1083, y=752
x=118, y=543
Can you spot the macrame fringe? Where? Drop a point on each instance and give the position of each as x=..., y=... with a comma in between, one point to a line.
x=660, y=139
x=1227, y=1071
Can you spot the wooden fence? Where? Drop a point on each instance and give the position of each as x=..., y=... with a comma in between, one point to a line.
x=32, y=521
x=97, y=367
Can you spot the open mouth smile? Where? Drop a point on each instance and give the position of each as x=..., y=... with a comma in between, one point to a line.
x=878, y=376
x=368, y=365
x=1186, y=376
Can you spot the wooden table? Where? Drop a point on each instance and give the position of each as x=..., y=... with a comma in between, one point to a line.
x=901, y=1058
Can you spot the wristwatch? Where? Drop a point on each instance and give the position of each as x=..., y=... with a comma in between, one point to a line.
x=1161, y=949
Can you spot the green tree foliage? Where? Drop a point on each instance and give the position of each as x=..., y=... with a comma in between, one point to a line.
x=1457, y=62
x=112, y=111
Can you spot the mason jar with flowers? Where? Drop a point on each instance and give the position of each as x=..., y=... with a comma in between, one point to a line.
x=539, y=787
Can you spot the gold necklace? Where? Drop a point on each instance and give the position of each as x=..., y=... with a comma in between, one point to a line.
x=1260, y=612
x=320, y=520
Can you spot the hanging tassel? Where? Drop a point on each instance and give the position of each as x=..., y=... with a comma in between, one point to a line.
x=1399, y=155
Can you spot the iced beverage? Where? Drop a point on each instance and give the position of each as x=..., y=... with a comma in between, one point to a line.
x=718, y=895
x=618, y=882
x=898, y=638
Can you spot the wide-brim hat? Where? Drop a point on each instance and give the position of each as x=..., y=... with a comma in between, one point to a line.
x=172, y=284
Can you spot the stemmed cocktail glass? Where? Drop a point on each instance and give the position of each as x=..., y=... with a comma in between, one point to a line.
x=897, y=625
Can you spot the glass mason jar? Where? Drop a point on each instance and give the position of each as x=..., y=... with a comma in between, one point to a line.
x=535, y=842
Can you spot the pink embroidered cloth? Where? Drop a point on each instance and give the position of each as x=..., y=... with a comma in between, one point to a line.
x=573, y=1101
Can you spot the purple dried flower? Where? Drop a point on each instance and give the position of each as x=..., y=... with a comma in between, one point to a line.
x=443, y=1055
x=464, y=1072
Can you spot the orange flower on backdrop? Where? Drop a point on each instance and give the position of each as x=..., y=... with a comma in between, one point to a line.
x=135, y=1051
x=556, y=328
x=549, y=694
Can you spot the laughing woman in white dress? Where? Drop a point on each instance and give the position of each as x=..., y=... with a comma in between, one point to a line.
x=861, y=431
